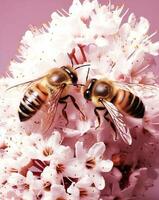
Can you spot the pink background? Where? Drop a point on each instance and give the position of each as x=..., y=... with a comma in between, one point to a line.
x=15, y=16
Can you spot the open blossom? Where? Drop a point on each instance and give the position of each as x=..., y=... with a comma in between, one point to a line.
x=83, y=189
x=91, y=164
x=77, y=161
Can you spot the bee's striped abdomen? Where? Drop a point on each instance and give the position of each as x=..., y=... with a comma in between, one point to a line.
x=136, y=108
x=32, y=101
x=129, y=103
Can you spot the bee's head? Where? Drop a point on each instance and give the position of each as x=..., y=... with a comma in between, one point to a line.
x=72, y=74
x=88, y=88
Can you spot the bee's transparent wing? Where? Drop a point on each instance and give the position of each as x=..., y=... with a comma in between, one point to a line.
x=51, y=109
x=118, y=121
x=27, y=83
x=144, y=90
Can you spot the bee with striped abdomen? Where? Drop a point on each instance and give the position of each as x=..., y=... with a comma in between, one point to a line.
x=117, y=99
x=49, y=90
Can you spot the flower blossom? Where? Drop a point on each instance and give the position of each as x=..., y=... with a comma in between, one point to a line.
x=77, y=161
x=91, y=164
x=83, y=189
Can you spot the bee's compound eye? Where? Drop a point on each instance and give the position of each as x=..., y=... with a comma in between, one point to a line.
x=87, y=94
x=74, y=79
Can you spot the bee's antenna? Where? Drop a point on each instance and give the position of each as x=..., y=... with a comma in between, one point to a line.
x=79, y=84
x=87, y=74
x=80, y=66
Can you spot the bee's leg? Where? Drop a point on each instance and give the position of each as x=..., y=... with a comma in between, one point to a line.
x=111, y=124
x=97, y=115
x=62, y=101
x=75, y=104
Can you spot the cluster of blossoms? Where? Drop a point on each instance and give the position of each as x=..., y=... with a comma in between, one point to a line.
x=79, y=162
x=32, y=168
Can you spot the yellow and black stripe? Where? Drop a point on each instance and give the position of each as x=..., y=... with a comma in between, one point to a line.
x=129, y=103
x=32, y=101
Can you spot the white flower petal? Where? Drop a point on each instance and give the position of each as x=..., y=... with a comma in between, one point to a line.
x=125, y=31
x=93, y=193
x=105, y=165
x=63, y=154
x=54, y=140
x=71, y=132
x=79, y=150
x=98, y=181
x=58, y=191
x=74, y=168
x=84, y=182
x=49, y=175
x=97, y=150
x=153, y=48
x=132, y=20
x=28, y=195
x=16, y=179
x=74, y=191
x=143, y=25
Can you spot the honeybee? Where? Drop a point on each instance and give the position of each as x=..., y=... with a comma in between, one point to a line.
x=117, y=99
x=49, y=90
